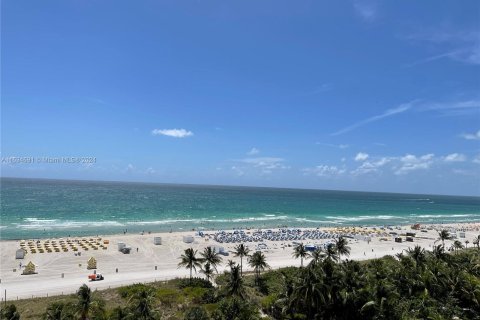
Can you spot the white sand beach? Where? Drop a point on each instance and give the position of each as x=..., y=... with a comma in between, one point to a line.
x=159, y=262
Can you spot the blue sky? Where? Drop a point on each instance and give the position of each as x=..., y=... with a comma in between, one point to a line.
x=354, y=95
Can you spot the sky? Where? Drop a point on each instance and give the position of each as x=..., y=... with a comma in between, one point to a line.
x=349, y=95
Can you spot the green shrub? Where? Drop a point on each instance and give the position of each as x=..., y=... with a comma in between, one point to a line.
x=59, y=310
x=196, y=313
x=209, y=296
x=236, y=309
x=195, y=293
x=195, y=282
x=9, y=312
x=119, y=313
x=168, y=296
x=268, y=302
x=128, y=291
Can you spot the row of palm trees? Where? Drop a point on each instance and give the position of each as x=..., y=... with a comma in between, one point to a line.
x=333, y=251
x=209, y=260
x=457, y=244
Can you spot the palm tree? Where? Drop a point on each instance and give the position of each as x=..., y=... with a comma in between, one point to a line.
x=211, y=256
x=258, y=262
x=309, y=294
x=190, y=261
x=341, y=244
x=57, y=311
x=444, y=235
x=84, y=295
x=317, y=256
x=142, y=304
x=231, y=264
x=439, y=252
x=476, y=241
x=234, y=286
x=457, y=245
x=417, y=254
x=300, y=252
x=207, y=271
x=241, y=251
x=286, y=301
x=331, y=252
x=466, y=243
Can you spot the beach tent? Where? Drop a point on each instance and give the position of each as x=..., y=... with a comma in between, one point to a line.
x=92, y=263
x=188, y=239
x=29, y=268
x=20, y=254
x=218, y=249
x=157, y=240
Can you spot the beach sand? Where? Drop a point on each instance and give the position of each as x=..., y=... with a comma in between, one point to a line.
x=159, y=262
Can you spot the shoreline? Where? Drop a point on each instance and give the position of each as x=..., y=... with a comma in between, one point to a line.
x=460, y=224
x=64, y=271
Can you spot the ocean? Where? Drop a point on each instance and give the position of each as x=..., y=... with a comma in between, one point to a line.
x=36, y=208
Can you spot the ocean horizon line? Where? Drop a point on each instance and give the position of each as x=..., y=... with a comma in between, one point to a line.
x=232, y=186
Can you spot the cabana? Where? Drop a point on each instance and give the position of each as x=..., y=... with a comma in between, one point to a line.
x=20, y=254
x=188, y=239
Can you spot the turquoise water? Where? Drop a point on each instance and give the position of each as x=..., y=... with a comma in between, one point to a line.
x=47, y=208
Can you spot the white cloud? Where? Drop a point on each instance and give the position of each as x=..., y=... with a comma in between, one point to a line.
x=471, y=136
x=361, y=156
x=253, y=151
x=411, y=162
x=175, y=133
x=388, y=113
x=339, y=146
x=266, y=162
x=458, y=45
x=371, y=166
x=266, y=165
x=366, y=9
x=130, y=168
x=454, y=108
x=238, y=171
x=455, y=157
x=150, y=170
x=476, y=159
x=325, y=171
